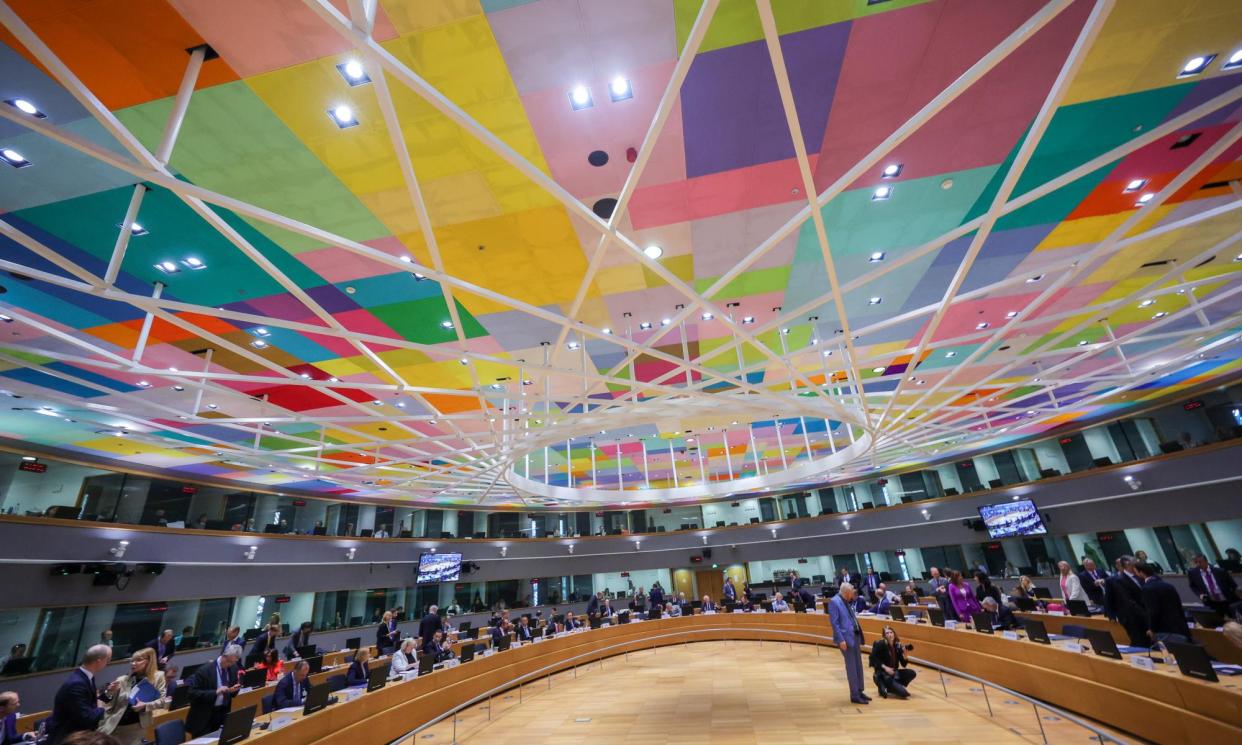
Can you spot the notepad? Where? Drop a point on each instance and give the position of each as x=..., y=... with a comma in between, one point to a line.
x=144, y=692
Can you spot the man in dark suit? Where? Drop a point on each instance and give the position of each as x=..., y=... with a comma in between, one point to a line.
x=848, y=636
x=262, y=643
x=1092, y=581
x=165, y=647
x=212, y=688
x=870, y=583
x=77, y=703
x=524, y=633
x=1166, y=620
x=1002, y=615
x=292, y=689
x=430, y=624
x=299, y=638
x=706, y=605
x=1123, y=593
x=596, y=601
x=1214, y=586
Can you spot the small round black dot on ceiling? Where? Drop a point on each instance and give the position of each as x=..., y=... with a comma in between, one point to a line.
x=598, y=158
x=604, y=207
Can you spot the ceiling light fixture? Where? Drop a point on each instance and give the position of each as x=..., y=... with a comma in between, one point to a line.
x=1033, y=280
x=706, y=317
x=1011, y=314
x=1196, y=65
x=876, y=257
x=981, y=325
x=950, y=354
x=1235, y=60
x=606, y=330
x=26, y=107
x=193, y=263
x=1145, y=199
x=1161, y=314
x=877, y=369
x=665, y=321
x=167, y=267
x=620, y=89
x=135, y=228
x=259, y=344
x=446, y=324
x=747, y=320
x=875, y=300
x=580, y=98
x=353, y=72
x=653, y=251
x=881, y=193
x=644, y=326
x=1147, y=303
x=1136, y=184
x=13, y=158
x=892, y=170
x=343, y=116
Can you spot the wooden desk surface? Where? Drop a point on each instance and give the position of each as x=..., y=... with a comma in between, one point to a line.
x=1160, y=706
x=1212, y=640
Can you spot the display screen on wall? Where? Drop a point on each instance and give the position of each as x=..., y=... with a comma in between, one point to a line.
x=1009, y=519
x=439, y=568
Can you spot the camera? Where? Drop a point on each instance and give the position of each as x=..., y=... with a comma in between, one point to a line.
x=909, y=647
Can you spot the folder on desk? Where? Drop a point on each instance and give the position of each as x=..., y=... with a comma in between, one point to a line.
x=144, y=692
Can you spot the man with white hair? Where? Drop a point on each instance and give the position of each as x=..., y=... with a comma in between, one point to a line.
x=212, y=688
x=77, y=703
x=847, y=635
x=430, y=624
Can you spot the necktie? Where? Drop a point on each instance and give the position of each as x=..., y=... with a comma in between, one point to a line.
x=1213, y=590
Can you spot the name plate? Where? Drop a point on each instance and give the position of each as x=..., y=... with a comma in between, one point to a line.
x=279, y=722
x=950, y=624
x=736, y=610
x=709, y=612
x=1071, y=646
x=452, y=663
x=912, y=619
x=1143, y=663
x=1010, y=635
x=1056, y=613
x=760, y=610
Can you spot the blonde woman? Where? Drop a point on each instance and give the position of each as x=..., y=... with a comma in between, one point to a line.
x=126, y=720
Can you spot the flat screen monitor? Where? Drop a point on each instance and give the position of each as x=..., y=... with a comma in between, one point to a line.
x=439, y=568
x=1014, y=518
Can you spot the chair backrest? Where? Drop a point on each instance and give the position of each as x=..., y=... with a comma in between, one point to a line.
x=1074, y=630
x=170, y=733
x=269, y=703
x=337, y=682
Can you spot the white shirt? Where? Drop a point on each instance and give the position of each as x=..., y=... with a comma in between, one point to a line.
x=380, y=534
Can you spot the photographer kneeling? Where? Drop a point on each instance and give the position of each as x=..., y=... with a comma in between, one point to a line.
x=888, y=659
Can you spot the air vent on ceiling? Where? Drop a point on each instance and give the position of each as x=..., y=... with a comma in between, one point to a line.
x=1185, y=140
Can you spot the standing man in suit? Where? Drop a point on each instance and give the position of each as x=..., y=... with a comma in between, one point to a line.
x=262, y=643
x=212, y=688
x=164, y=647
x=596, y=601
x=77, y=703
x=292, y=689
x=428, y=625
x=299, y=638
x=388, y=636
x=1124, y=593
x=1165, y=619
x=231, y=637
x=848, y=636
x=730, y=593
x=871, y=583
x=1214, y=586
x=1092, y=581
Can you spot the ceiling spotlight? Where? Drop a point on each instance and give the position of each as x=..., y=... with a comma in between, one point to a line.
x=1033, y=280
x=1147, y=303
x=707, y=317
x=574, y=345
x=144, y=384
x=1145, y=198
x=29, y=458
x=193, y=263
x=570, y=547
x=213, y=406
x=1161, y=314
x=665, y=321
x=620, y=89
x=638, y=545
x=845, y=524
x=653, y=251
x=504, y=551
x=259, y=344
x=773, y=531
x=334, y=379
x=875, y=300
x=1011, y=314
x=250, y=552
x=377, y=402
x=13, y=158
x=353, y=72
x=926, y=514
x=606, y=330
x=1196, y=65
x=260, y=331
x=1136, y=184
x=167, y=267
x=135, y=228
x=747, y=320
x=446, y=324
x=645, y=325
x=464, y=361
x=580, y=98
x=877, y=369
x=26, y=107
x=1235, y=60
x=892, y=170
x=343, y=116
x=1132, y=482
x=881, y=193
x=1082, y=342
x=351, y=553
x=950, y=354
x=876, y=257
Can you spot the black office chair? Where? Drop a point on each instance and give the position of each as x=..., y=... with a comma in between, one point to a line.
x=1074, y=630
x=170, y=733
x=337, y=682
x=269, y=703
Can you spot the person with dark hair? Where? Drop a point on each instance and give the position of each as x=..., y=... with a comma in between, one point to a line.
x=961, y=599
x=298, y=639
x=1214, y=586
x=892, y=670
x=293, y=688
x=272, y=664
x=165, y=647
x=1123, y=596
x=985, y=589
x=90, y=737
x=1165, y=619
x=77, y=703
x=262, y=643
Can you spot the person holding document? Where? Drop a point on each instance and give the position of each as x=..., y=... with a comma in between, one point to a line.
x=138, y=695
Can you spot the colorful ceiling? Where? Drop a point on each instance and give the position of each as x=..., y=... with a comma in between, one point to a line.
x=547, y=252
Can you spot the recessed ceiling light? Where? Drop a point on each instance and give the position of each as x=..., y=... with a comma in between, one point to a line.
x=644, y=325
x=1011, y=314
x=464, y=361
x=574, y=345
x=26, y=107
x=1235, y=60
x=446, y=324
x=950, y=354
x=580, y=98
x=144, y=384
x=304, y=376
x=260, y=331
x=875, y=300
x=653, y=251
x=1082, y=342
x=377, y=402
x=881, y=193
x=167, y=267
x=982, y=325
x=665, y=321
x=343, y=116
x=6, y=319
x=707, y=317
x=178, y=388
x=193, y=263
x=353, y=72
x=1146, y=198
x=1147, y=303
x=13, y=158
x=620, y=89
x=876, y=256
x=1196, y=65
x=1136, y=184
x=1036, y=278
x=213, y=406
x=259, y=344
x=1161, y=314
x=747, y=320
x=827, y=352
x=606, y=330
x=877, y=369
x=892, y=170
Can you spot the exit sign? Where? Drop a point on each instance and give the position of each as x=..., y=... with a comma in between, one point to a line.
x=33, y=467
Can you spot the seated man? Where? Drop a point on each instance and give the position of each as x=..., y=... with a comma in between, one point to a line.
x=882, y=603
x=1002, y=615
x=524, y=631
x=672, y=610
x=292, y=689
x=707, y=606
x=778, y=604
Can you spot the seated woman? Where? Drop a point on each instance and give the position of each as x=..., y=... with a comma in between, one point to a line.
x=358, y=669
x=892, y=671
x=272, y=664
x=1026, y=589
x=405, y=658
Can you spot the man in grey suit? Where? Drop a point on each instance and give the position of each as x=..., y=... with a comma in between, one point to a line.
x=847, y=635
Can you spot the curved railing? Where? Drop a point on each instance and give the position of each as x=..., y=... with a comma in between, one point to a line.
x=598, y=654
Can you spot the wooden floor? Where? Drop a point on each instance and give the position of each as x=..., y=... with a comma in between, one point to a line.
x=739, y=693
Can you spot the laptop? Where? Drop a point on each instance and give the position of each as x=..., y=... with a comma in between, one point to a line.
x=254, y=678
x=1023, y=604
x=1102, y=643
x=1078, y=608
x=316, y=698
x=17, y=666
x=315, y=663
x=180, y=697
x=1192, y=660
x=1043, y=593
x=464, y=627
x=308, y=651
x=377, y=677
x=936, y=615
x=467, y=650
x=909, y=598
x=896, y=613
x=653, y=614
x=504, y=643
x=1035, y=630
x=425, y=663
x=237, y=725
x=1208, y=619
x=984, y=622
x=595, y=622
x=353, y=642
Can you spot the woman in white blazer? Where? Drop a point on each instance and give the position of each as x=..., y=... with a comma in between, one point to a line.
x=126, y=721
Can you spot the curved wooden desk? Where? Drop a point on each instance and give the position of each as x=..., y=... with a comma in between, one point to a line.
x=1212, y=640
x=1161, y=706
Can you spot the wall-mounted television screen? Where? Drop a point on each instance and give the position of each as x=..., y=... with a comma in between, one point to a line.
x=439, y=568
x=1009, y=519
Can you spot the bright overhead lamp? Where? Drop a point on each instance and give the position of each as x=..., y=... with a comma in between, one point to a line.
x=875, y=300
x=13, y=158
x=144, y=384
x=343, y=116
x=574, y=345
x=620, y=89
x=892, y=170
x=876, y=256
x=877, y=369
x=464, y=361
x=259, y=344
x=644, y=326
x=1161, y=314
x=982, y=325
x=26, y=107
x=706, y=317
x=1136, y=184
x=606, y=330
x=1011, y=314
x=1033, y=280
x=747, y=320
x=1082, y=342
x=881, y=193
x=1145, y=198
x=1147, y=303
x=580, y=98
x=193, y=263
x=446, y=324
x=653, y=251
x=950, y=354
x=1196, y=65
x=167, y=267
x=353, y=72
x=1235, y=60
x=260, y=331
